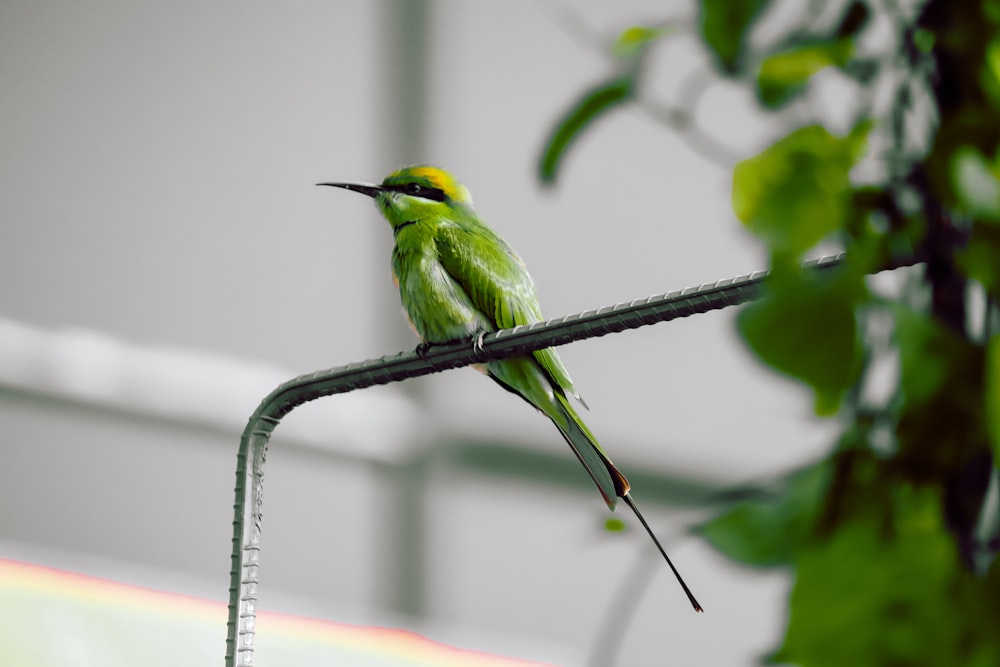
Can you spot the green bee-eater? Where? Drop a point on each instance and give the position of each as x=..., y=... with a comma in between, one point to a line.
x=458, y=279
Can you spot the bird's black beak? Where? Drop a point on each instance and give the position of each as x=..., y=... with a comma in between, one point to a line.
x=364, y=188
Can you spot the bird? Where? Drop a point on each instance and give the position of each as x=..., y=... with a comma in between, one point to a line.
x=459, y=279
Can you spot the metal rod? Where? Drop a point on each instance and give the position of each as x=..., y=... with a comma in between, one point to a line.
x=405, y=365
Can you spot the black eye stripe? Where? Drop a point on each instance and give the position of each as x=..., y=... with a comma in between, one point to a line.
x=418, y=190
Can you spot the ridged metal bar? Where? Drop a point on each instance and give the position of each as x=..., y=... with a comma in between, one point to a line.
x=405, y=365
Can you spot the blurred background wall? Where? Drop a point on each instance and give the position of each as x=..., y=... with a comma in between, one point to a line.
x=166, y=260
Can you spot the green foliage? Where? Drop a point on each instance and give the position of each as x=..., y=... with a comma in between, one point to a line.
x=923, y=40
x=784, y=75
x=633, y=42
x=768, y=531
x=976, y=183
x=880, y=535
x=879, y=567
x=890, y=591
x=592, y=104
x=614, y=525
x=926, y=354
x=792, y=196
x=965, y=47
x=725, y=27
x=940, y=417
x=992, y=393
x=979, y=257
x=796, y=193
x=630, y=50
x=805, y=326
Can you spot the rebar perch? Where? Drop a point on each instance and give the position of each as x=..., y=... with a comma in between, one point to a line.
x=434, y=359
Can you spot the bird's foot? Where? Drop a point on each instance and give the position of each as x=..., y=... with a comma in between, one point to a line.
x=478, y=348
x=422, y=349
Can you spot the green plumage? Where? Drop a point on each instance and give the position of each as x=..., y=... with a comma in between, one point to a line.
x=458, y=278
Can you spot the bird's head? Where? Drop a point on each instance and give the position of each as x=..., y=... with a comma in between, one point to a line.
x=413, y=194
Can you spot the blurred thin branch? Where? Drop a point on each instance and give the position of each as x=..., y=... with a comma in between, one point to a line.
x=620, y=612
x=683, y=119
x=679, y=117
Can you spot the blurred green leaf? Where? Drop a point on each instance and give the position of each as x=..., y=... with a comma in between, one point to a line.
x=767, y=532
x=930, y=355
x=593, y=104
x=924, y=40
x=976, y=183
x=992, y=394
x=783, y=75
x=633, y=41
x=878, y=593
x=926, y=349
x=796, y=192
x=725, y=27
x=614, y=525
x=805, y=327
x=980, y=258
x=991, y=70
x=940, y=422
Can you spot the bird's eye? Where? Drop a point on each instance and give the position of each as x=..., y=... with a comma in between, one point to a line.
x=418, y=190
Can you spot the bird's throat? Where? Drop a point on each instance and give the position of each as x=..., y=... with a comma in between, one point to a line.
x=397, y=228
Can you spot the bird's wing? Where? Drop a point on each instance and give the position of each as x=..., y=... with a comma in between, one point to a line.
x=496, y=280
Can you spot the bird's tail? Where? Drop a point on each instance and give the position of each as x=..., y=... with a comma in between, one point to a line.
x=610, y=481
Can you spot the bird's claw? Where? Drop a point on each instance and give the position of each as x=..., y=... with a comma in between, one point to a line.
x=422, y=349
x=478, y=348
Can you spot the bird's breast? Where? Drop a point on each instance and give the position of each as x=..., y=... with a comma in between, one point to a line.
x=438, y=307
